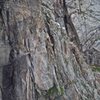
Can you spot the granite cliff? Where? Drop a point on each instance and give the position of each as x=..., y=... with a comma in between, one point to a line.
x=40, y=53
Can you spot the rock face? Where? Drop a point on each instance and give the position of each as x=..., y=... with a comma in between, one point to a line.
x=85, y=15
x=40, y=55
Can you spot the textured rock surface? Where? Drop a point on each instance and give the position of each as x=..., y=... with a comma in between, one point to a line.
x=40, y=57
x=85, y=15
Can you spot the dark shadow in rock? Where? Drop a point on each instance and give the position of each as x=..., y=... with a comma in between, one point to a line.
x=8, y=92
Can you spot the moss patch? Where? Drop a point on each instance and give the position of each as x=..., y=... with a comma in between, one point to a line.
x=55, y=90
x=96, y=68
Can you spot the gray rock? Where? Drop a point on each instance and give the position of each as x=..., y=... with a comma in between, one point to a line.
x=42, y=60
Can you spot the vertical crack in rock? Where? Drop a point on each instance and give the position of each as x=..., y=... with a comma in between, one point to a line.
x=51, y=37
x=40, y=56
x=70, y=29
